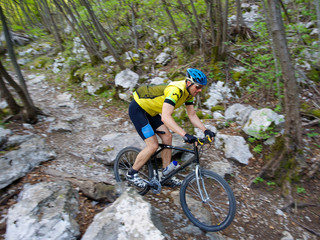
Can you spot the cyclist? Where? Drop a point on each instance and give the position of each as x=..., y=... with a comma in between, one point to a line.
x=145, y=109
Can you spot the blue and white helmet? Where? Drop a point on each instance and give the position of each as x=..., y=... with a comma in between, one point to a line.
x=196, y=76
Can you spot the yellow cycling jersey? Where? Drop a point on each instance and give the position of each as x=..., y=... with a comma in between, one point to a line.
x=152, y=97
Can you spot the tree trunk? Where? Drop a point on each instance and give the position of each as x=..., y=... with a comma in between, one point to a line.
x=316, y=2
x=223, y=50
x=31, y=110
x=189, y=17
x=212, y=24
x=219, y=20
x=240, y=21
x=77, y=26
x=100, y=30
x=17, y=12
x=26, y=104
x=276, y=60
x=134, y=29
x=5, y=93
x=26, y=14
x=199, y=27
x=43, y=15
x=52, y=25
x=173, y=23
x=289, y=157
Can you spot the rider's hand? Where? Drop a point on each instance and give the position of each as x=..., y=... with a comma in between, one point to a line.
x=209, y=133
x=189, y=138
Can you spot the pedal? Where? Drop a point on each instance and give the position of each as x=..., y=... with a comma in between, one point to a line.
x=155, y=186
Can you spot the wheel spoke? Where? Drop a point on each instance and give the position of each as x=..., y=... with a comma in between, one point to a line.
x=124, y=161
x=216, y=211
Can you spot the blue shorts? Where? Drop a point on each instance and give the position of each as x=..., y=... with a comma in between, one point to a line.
x=143, y=122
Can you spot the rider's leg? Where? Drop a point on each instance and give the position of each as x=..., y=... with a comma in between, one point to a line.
x=151, y=147
x=166, y=139
x=166, y=155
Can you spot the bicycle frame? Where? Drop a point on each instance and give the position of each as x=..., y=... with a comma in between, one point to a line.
x=200, y=189
x=194, y=159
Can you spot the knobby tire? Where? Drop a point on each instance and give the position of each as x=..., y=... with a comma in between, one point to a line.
x=215, y=214
x=124, y=161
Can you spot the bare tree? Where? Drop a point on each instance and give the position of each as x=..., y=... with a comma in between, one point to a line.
x=276, y=60
x=31, y=112
x=240, y=22
x=316, y=2
x=289, y=155
x=209, y=4
x=218, y=25
x=78, y=26
x=189, y=17
x=100, y=30
x=224, y=30
x=173, y=23
x=5, y=93
x=51, y=22
x=199, y=27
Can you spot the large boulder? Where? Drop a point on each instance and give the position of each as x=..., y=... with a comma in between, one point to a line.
x=46, y=210
x=127, y=79
x=129, y=217
x=218, y=93
x=238, y=113
x=113, y=143
x=17, y=163
x=234, y=147
x=260, y=120
x=17, y=39
x=4, y=134
x=163, y=58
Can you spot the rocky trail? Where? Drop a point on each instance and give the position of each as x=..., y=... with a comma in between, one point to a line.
x=75, y=130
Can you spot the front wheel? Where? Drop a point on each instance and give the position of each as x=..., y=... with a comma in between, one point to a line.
x=209, y=203
x=124, y=161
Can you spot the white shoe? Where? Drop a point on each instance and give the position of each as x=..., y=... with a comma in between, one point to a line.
x=136, y=180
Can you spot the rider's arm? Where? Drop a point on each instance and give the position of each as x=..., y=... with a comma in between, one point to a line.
x=167, y=119
x=194, y=118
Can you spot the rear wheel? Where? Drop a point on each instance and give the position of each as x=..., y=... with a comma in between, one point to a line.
x=124, y=161
x=209, y=203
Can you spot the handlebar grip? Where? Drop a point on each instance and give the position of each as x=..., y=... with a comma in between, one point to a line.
x=202, y=141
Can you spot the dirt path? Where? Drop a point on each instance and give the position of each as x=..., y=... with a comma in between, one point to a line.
x=259, y=214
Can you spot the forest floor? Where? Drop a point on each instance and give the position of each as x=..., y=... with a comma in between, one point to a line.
x=262, y=211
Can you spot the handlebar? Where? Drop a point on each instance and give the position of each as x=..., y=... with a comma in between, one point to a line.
x=204, y=140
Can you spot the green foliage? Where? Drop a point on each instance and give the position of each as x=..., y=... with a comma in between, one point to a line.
x=300, y=190
x=108, y=94
x=3, y=114
x=42, y=62
x=315, y=112
x=313, y=134
x=217, y=108
x=208, y=116
x=200, y=114
x=258, y=180
x=271, y=184
x=265, y=134
x=278, y=108
x=227, y=123
x=258, y=148
x=305, y=107
x=314, y=75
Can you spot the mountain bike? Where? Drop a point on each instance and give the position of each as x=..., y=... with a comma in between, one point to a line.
x=205, y=197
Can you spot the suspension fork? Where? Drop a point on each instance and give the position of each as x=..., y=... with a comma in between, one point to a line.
x=200, y=184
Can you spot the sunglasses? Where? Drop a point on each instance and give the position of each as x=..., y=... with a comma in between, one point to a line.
x=198, y=86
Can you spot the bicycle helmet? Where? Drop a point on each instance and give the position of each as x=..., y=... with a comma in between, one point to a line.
x=196, y=76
